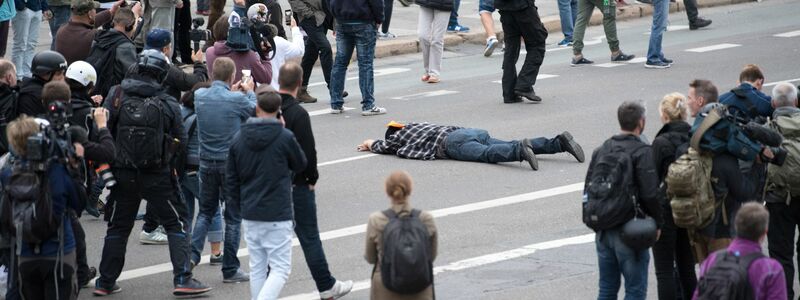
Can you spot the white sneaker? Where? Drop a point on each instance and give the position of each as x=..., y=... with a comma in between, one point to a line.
x=339, y=289
x=153, y=238
x=337, y=111
x=374, y=111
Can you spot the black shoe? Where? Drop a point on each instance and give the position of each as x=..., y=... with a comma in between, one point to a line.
x=699, y=23
x=528, y=155
x=85, y=282
x=568, y=144
x=516, y=99
x=99, y=291
x=622, y=57
x=345, y=94
x=581, y=61
x=530, y=96
x=193, y=287
x=667, y=60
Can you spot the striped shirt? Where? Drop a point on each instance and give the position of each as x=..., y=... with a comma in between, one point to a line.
x=416, y=141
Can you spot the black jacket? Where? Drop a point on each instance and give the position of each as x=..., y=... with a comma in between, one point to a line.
x=644, y=174
x=512, y=5
x=733, y=187
x=357, y=10
x=259, y=169
x=30, y=97
x=665, y=146
x=298, y=121
x=100, y=147
x=8, y=112
x=437, y=4
x=124, y=57
x=179, y=81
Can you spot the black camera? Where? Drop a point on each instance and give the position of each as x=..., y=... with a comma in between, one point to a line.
x=197, y=34
x=262, y=32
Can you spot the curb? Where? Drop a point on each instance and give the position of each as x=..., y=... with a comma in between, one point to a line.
x=551, y=23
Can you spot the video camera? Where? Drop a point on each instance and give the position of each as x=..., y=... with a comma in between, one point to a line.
x=261, y=32
x=197, y=34
x=53, y=142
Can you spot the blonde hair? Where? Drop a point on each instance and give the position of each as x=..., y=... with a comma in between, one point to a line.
x=674, y=107
x=18, y=132
x=398, y=186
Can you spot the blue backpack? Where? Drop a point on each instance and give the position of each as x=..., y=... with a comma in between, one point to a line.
x=725, y=135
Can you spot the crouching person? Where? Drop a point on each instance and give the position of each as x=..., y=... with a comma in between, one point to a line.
x=258, y=180
x=401, y=273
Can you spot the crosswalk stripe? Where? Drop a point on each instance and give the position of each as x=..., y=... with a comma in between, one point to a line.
x=713, y=48
x=789, y=34
x=376, y=73
x=538, y=77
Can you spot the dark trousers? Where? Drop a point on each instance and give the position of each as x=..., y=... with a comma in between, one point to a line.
x=523, y=24
x=217, y=8
x=307, y=231
x=317, y=46
x=691, y=10
x=387, y=15
x=183, y=24
x=783, y=221
x=212, y=182
x=159, y=189
x=4, y=36
x=674, y=262
x=41, y=278
x=82, y=265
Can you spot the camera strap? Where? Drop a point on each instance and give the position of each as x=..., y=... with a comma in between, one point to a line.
x=712, y=117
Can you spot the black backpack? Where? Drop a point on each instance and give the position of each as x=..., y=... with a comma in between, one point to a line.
x=609, y=196
x=407, y=261
x=182, y=157
x=26, y=198
x=141, y=138
x=103, y=58
x=727, y=278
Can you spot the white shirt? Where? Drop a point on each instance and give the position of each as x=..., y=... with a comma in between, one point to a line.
x=286, y=50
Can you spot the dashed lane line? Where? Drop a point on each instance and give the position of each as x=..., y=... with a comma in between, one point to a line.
x=789, y=34
x=376, y=73
x=325, y=111
x=538, y=77
x=713, y=48
x=426, y=95
x=782, y=81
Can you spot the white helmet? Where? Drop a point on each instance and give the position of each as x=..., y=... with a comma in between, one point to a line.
x=82, y=72
x=258, y=12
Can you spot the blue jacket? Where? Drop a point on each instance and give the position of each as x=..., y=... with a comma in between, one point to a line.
x=258, y=178
x=192, y=144
x=34, y=5
x=64, y=195
x=761, y=103
x=220, y=114
x=357, y=11
x=7, y=10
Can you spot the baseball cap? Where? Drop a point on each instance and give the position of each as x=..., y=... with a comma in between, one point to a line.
x=157, y=38
x=82, y=7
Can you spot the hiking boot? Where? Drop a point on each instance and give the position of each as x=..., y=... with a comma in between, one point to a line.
x=528, y=155
x=100, y=291
x=699, y=23
x=580, y=61
x=240, y=276
x=339, y=289
x=530, y=96
x=153, y=238
x=622, y=57
x=304, y=97
x=193, y=287
x=216, y=259
x=92, y=274
x=491, y=44
x=374, y=111
x=569, y=145
x=656, y=65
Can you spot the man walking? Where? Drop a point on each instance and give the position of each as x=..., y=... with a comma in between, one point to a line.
x=520, y=19
x=609, y=10
x=356, y=28
x=655, y=56
x=485, y=10
x=314, y=20
x=305, y=207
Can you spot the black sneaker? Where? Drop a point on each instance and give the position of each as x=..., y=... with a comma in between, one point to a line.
x=345, y=94
x=530, y=96
x=216, y=259
x=239, y=277
x=516, y=99
x=667, y=60
x=699, y=23
x=569, y=145
x=85, y=282
x=100, y=291
x=622, y=57
x=528, y=155
x=190, y=288
x=581, y=61
x=657, y=65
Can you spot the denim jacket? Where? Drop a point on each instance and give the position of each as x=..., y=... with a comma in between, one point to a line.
x=220, y=114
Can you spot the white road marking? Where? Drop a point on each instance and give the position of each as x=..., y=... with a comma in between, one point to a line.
x=608, y=65
x=673, y=28
x=376, y=73
x=338, y=161
x=426, y=95
x=637, y=60
x=788, y=34
x=360, y=229
x=476, y=261
x=713, y=48
x=500, y=53
x=325, y=111
x=776, y=83
x=538, y=77
x=559, y=48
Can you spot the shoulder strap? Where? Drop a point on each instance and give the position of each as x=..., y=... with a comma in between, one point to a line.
x=415, y=213
x=389, y=213
x=117, y=97
x=712, y=117
x=192, y=128
x=747, y=260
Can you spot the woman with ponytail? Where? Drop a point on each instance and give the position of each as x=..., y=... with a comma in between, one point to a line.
x=398, y=188
x=672, y=253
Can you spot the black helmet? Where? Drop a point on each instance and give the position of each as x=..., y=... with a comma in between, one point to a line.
x=155, y=62
x=47, y=62
x=639, y=233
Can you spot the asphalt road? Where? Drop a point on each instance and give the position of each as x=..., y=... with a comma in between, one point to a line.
x=506, y=232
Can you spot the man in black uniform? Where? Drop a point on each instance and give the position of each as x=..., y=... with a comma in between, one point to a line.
x=520, y=19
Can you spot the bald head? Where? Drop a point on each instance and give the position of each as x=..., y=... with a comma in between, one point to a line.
x=290, y=77
x=8, y=73
x=784, y=94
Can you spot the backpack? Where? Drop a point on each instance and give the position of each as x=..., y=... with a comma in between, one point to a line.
x=609, y=197
x=688, y=181
x=727, y=278
x=141, y=138
x=103, y=58
x=407, y=262
x=239, y=38
x=182, y=157
x=724, y=136
x=786, y=177
x=26, y=195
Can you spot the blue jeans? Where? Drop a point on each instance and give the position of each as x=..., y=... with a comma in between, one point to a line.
x=615, y=258
x=471, y=144
x=360, y=37
x=60, y=17
x=454, y=13
x=660, y=15
x=307, y=231
x=568, y=11
x=190, y=186
x=212, y=180
x=485, y=6
x=26, y=34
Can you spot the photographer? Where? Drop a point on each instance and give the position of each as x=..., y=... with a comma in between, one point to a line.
x=177, y=80
x=74, y=39
x=284, y=49
x=47, y=66
x=746, y=102
x=8, y=97
x=243, y=58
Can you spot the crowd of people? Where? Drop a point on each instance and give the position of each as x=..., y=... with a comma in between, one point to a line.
x=110, y=106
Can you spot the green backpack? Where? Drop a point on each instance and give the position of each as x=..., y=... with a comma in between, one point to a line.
x=785, y=179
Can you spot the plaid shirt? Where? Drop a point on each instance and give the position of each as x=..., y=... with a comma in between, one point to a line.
x=416, y=141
